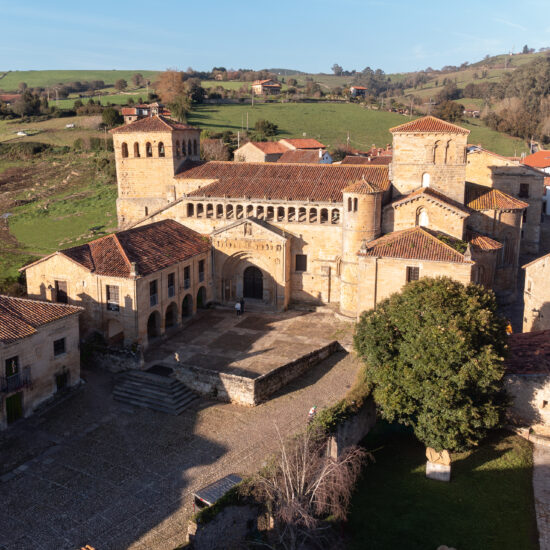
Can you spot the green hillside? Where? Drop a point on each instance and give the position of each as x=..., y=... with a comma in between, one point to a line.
x=10, y=81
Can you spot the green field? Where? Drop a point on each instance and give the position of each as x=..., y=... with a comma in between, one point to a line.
x=113, y=99
x=331, y=122
x=488, y=505
x=228, y=85
x=11, y=80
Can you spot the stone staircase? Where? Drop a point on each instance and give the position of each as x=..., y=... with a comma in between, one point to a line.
x=160, y=393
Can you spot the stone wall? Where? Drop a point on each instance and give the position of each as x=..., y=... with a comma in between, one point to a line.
x=536, y=295
x=531, y=398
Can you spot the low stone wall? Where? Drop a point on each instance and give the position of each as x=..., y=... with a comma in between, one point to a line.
x=530, y=398
x=118, y=359
x=249, y=391
x=353, y=430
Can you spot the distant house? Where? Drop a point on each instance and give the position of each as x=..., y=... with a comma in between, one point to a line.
x=9, y=98
x=39, y=354
x=306, y=156
x=143, y=110
x=271, y=151
x=266, y=87
x=358, y=91
x=541, y=161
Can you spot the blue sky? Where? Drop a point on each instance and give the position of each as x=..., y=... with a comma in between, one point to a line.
x=395, y=35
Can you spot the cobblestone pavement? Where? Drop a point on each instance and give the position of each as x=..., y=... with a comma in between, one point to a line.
x=251, y=344
x=541, y=487
x=94, y=471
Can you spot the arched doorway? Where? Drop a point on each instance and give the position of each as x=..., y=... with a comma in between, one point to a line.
x=201, y=298
x=187, y=307
x=153, y=325
x=253, y=283
x=171, y=317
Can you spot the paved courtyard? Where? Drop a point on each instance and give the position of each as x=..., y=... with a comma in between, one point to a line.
x=95, y=471
x=249, y=345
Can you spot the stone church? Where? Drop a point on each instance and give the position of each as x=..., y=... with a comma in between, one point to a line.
x=275, y=233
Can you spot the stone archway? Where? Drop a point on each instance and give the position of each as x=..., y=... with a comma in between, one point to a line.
x=187, y=307
x=253, y=283
x=171, y=316
x=201, y=298
x=153, y=326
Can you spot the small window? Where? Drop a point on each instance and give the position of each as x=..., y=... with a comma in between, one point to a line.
x=355, y=205
x=413, y=274
x=136, y=149
x=12, y=365
x=148, y=150
x=301, y=262
x=61, y=292
x=171, y=284
x=161, y=149
x=186, y=277
x=524, y=190
x=201, y=270
x=124, y=150
x=113, y=301
x=153, y=293
x=146, y=211
x=59, y=347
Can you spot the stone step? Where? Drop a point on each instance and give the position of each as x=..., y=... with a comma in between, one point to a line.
x=177, y=388
x=152, y=397
x=149, y=378
x=139, y=402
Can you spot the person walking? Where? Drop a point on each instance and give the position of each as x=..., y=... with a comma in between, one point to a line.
x=311, y=414
x=238, y=308
x=242, y=305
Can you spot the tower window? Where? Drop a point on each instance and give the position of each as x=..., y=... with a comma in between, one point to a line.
x=177, y=148
x=524, y=190
x=136, y=149
x=413, y=273
x=124, y=150
x=355, y=203
x=183, y=147
x=426, y=180
x=161, y=149
x=349, y=204
x=301, y=262
x=195, y=148
x=148, y=150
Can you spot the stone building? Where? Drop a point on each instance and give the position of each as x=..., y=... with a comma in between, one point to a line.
x=536, y=295
x=133, y=285
x=272, y=151
x=516, y=179
x=343, y=234
x=266, y=87
x=39, y=354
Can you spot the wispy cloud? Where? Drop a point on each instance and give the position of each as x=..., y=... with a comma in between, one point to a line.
x=509, y=23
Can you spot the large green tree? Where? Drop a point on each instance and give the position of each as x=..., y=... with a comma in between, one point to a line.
x=435, y=354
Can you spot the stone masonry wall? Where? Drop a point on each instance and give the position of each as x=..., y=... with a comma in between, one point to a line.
x=536, y=296
x=531, y=398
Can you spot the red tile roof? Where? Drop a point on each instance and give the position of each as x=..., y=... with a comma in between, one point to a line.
x=540, y=159
x=265, y=83
x=362, y=187
x=299, y=182
x=269, y=147
x=432, y=195
x=128, y=111
x=302, y=143
x=358, y=87
x=357, y=160
x=479, y=197
x=152, y=247
x=430, y=125
x=482, y=242
x=296, y=156
x=156, y=123
x=20, y=317
x=416, y=243
x=528, y=353
x=9, y=97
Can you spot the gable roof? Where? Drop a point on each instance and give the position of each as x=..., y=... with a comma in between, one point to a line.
x=271, y=180
x=430, y=125
x=416, y=243
x=358, y=160
x=266, y=83
x=536, y=260
x=268, y=147
x=295, y=156
x=278, y=233
x=302, y=143
x=479, y=197
x=20, y=317
x=540, y=159
x=157, y=123
x=151, y=247
x=528, y=353
x=433, y=196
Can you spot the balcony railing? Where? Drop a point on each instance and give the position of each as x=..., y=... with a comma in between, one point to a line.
x=16, y=381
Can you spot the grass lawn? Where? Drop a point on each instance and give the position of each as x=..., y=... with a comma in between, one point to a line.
x=114, y=99
x=488, y=505
x=331, y=122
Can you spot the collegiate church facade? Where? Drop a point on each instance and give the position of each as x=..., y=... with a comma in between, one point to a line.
x=343, y=234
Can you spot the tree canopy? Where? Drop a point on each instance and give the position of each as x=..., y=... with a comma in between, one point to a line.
x=434, y=353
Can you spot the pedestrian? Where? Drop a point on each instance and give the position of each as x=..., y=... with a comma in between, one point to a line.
x=238, y=308
x=311, y=414
x=242, y=305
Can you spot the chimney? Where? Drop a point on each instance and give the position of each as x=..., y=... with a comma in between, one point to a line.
x=320, y=153
x=133, y=269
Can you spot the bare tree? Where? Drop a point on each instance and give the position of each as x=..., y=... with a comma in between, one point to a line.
x=170, y=84
x=303, y=485
x=214, y=149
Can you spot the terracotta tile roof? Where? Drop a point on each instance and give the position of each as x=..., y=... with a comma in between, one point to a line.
x=295, y=156
x=128, y=111
x=156, y=123
x=9, y=97
x=20, y=317
x=416, y=243
x=152, y=247
x=433, y=195
x=298, y=182
x=482, y=242
x=362, y=187
x=358, y=87
x=265, y=83
x=431, y=125
x=540, y=159
x=269, y=147
x=479, y=197
x=302, y=143
x=357, y=160
x=528, y=353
